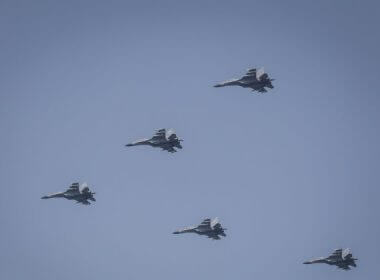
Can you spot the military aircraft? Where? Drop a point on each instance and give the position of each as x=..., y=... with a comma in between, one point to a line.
x=164, y=139
x=74, y=193
x=210, y=228
x=257, y=80
x=341, y=258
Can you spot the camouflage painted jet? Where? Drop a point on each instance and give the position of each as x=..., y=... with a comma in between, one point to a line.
x=74, y=193
x=341, y=258
x=256, y=80
x=212, y=229
x=164, y=139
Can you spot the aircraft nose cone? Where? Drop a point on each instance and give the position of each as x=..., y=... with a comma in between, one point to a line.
x=176, y=232
x=129, y=145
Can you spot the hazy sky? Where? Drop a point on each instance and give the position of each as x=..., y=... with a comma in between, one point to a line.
x=292, y=174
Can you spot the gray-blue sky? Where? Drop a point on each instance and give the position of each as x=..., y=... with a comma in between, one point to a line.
x=292, y=174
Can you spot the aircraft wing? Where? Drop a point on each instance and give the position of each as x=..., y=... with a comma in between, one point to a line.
x=343, y=266
x=168, y=148
x=74, y=188
x=205, y=226
x=336, y=253
x=214, y=236
x=206, y=223
x=251, y=74
x=160, y=134
x=262, y=90
x=83, y=201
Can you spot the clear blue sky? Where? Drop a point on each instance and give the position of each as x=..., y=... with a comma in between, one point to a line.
x=292, y=174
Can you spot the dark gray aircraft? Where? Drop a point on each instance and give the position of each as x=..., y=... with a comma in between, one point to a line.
x=212, y=229
x=74, y=193
x=341, y=258
x=256, y=80
x=164, y=139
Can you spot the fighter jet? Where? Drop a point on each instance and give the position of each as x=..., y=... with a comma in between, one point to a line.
x=74, y=193
x=164, y=139
x=341, y=258
x=212, y=229
x=256, y=80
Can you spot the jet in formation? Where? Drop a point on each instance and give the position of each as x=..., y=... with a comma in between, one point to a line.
x=210, y=228
x=164, y=139
x=80, y=195
x=341, y=258
x=255, y=79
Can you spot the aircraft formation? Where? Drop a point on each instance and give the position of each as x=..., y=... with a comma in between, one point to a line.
x=167, y=140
